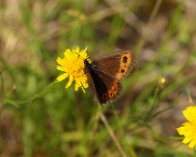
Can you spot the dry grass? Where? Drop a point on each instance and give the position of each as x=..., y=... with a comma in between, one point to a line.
x=41, y=121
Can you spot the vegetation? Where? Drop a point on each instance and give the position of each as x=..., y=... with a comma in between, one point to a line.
x=40, y=118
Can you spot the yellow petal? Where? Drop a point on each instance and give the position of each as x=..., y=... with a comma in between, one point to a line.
x=179, y=130
x=62, y=77
x=188, y=130
x=69, y=82
x=67, y=51
x=85, y=84
x=83, y=52
x=83, y=89
x=59, y=61
x=77, y=50
x=190, y=114
x=67, y=54
x=60, y=68
x=191, y=144
x=77, y=85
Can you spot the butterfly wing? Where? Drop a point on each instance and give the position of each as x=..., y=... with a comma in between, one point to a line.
x=117, y=65
x=105, y=87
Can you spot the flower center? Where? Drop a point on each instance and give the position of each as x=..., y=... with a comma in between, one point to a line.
x=78, y=72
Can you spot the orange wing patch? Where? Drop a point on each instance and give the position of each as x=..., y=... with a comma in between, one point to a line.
x=112, y=92
x=125, y=63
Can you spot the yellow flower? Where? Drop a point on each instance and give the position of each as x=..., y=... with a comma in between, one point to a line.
x=188, y=129
x=162, y=82
x=72, y=64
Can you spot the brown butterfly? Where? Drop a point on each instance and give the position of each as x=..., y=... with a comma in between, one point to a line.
x=104, y=74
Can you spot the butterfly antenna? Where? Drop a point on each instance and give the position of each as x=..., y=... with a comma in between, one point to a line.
x=79, y=56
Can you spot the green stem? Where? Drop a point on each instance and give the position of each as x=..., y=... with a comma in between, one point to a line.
x=112, y=135
x=33, y=98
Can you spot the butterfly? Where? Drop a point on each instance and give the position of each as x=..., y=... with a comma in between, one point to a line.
x=104, y=74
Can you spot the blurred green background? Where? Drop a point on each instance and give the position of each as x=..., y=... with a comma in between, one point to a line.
x=42, y=119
